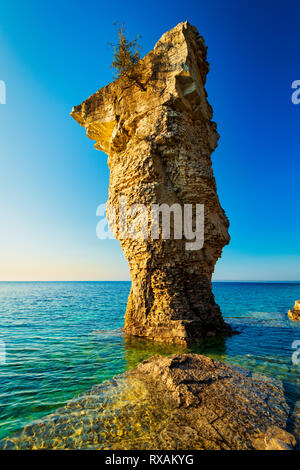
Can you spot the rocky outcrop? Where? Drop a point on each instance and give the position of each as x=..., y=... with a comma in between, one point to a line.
x=294, y=313
x=217, y=406
x=158, y=132
x=183, y=401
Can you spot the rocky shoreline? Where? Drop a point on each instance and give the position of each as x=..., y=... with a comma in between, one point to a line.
x=184, y=401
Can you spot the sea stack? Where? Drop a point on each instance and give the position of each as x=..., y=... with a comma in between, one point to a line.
x=158, y=133
x=294, y=313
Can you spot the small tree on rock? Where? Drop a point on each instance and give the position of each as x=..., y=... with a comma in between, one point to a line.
x=126, y=54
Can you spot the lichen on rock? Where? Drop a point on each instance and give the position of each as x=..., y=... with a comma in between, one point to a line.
x=159, y=136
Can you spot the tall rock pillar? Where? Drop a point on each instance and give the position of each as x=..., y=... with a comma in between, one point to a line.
x=158, y=133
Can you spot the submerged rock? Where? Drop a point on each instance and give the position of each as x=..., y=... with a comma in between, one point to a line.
x=294, y=313
x=185, y=401
x=158, y=132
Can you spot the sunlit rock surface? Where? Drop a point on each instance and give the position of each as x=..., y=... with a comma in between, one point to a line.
x=159, y=136
x=185, y=401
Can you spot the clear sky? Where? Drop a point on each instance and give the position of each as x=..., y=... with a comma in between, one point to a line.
x=53, y=55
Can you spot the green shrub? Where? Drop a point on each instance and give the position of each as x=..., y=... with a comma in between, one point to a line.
x=126, y=53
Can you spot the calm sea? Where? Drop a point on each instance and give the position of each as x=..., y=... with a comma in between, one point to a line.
x=62, y=338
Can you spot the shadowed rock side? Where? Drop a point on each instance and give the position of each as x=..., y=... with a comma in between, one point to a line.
x=159, y=137
x=184, y=401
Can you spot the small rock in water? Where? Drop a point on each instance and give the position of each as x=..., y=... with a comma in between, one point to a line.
x=294, y=313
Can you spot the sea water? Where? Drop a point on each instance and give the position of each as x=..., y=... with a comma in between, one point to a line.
x=61, y=338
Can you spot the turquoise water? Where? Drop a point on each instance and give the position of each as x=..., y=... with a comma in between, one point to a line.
x=63, y=338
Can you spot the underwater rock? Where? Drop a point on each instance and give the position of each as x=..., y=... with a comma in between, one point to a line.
x=158, y=132
x=278, y=439
x=184, y=401
x=294, y=313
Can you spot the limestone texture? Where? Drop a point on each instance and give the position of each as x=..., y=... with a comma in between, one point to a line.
x=184, y=401
x=158, y=133
x=294, y=313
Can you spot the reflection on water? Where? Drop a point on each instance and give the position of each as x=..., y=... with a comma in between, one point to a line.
x=138, y=349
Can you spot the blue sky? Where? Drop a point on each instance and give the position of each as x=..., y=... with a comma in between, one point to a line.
x=55, y=54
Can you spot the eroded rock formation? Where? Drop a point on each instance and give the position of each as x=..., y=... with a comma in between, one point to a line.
x=184, y=401
x=294, y=313
x=159, y=135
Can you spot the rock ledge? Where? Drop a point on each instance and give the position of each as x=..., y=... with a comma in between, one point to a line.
x=185, y=401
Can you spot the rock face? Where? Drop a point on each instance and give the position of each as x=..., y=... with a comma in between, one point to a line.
x=183, y=401
x=159, y=136
x=294, y=313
